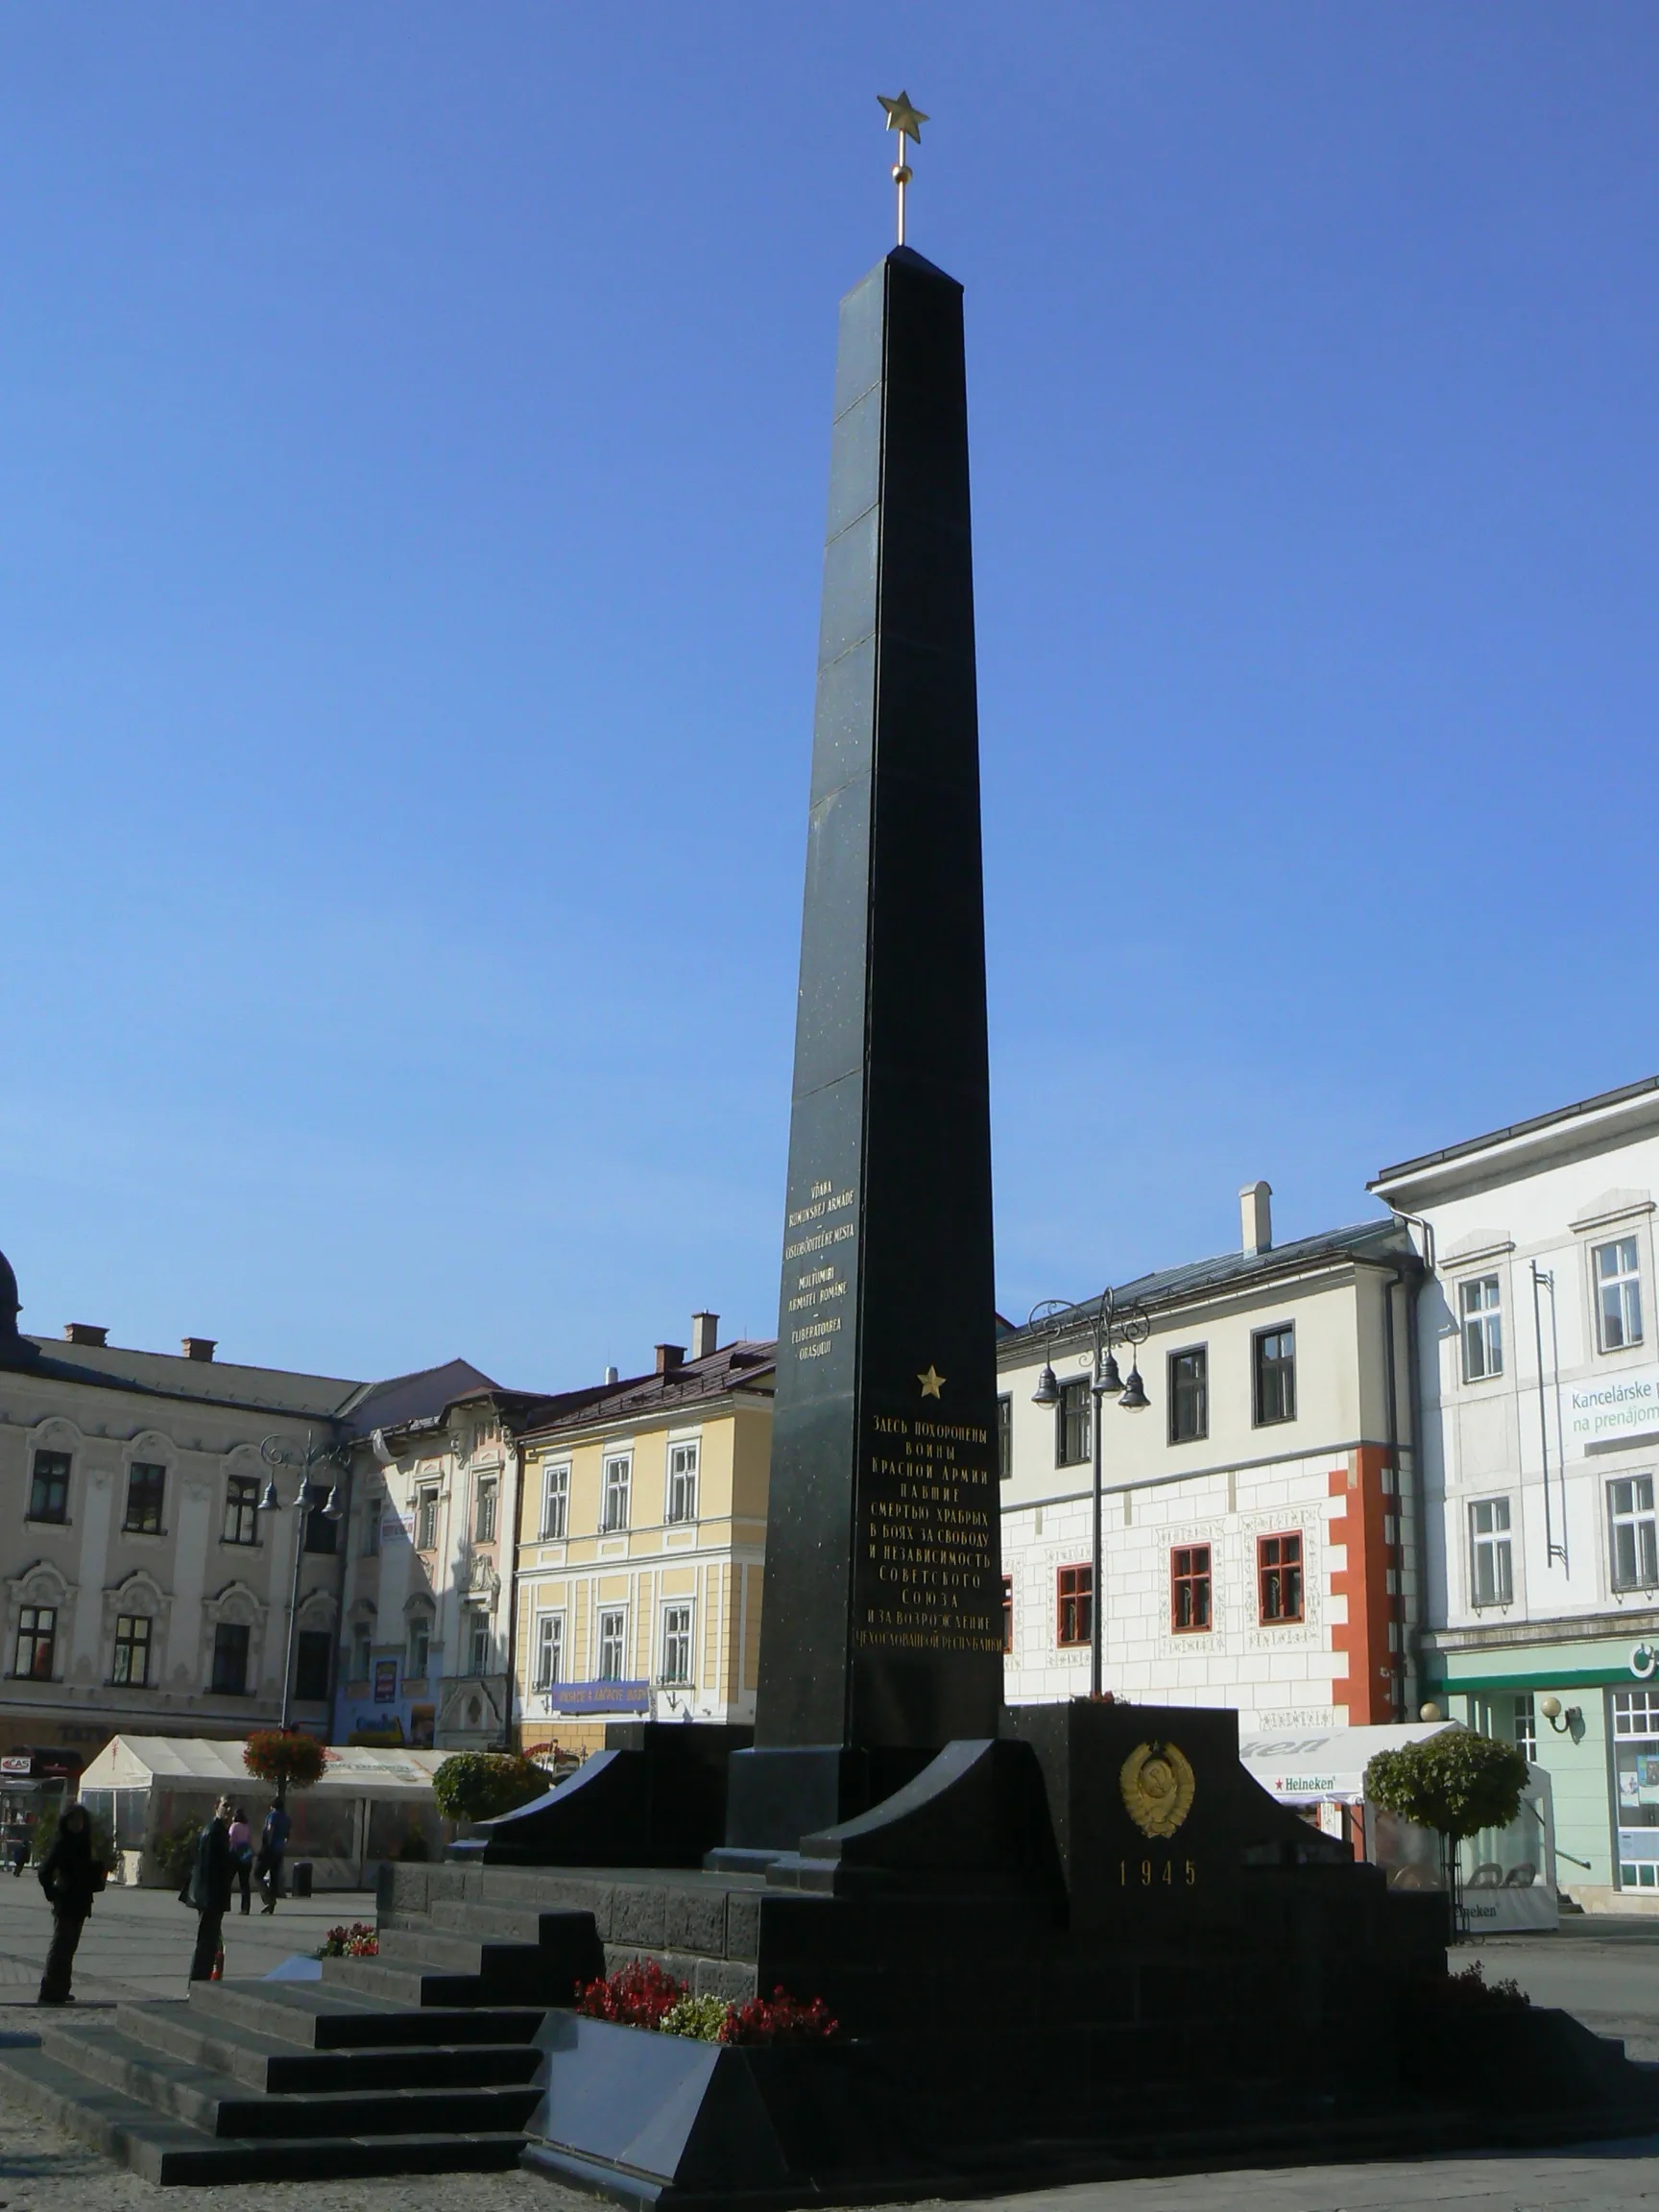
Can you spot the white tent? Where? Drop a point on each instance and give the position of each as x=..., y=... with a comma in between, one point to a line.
x=369, y=1806
x=1508, y=1879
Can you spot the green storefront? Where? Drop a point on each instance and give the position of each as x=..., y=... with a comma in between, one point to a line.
x=1587, y=1711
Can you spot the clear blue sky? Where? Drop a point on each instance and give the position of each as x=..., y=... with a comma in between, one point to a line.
x=413, y=436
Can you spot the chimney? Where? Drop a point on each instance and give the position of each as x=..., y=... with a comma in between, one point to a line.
x=1256, y=1206
x=612, y=1376
x=705, y=1334
x=84, y=1332
x=200, y=1347
x=669, y=1357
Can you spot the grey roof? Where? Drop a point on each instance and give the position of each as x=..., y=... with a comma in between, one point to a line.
x=1385, y=1239
x=1602, y=1099
x=425, y=1395
x=171, y=1375
x=746, y=1366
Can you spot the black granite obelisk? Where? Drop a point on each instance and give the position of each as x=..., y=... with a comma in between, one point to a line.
x=881, y=1624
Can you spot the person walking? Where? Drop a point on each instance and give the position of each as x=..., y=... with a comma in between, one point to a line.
x=241, y=1841
x=71, y=1878
x=209, y=1892
x=272, y=1849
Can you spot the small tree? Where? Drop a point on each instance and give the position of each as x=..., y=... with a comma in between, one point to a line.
x=286, y=1757
x=1456, y=1783
x=481, y=1785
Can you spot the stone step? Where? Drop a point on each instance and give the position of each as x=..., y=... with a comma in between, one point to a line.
x=320, y=2016
x=170, y=2152
x=493, y=1923
x=268, y=2062
x=220, y=2106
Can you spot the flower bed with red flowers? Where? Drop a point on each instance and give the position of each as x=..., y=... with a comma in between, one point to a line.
x=642, y=1995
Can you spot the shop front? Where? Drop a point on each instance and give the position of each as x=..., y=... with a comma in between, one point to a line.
x=1587, y=1711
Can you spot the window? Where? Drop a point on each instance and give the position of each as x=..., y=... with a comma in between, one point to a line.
x=1492, y=1575
x=1482, y=1318
x=619, y=1476
x=1636, y=1766
x=1075, y=1622
x=480, y=1645
x=484, y=1520
x=1278, y=1578
x=1007, y=1611
x=1635, y=1534
x=612, y=1644
x=1617, y=1293
x=362, y=1655
x=230, y=1659
x=49, y=1489
x=682, y=1481
x=36, y=1639
x=1275, y=1352
x=1072, y=1444
x=241, y=1509
x=1526, y=1726
x=1005, y=1437
x=146, y=1485
x=1189, y=1395
x=368, y=1543
x=555, y=1504
x=1189, y=1588
x=420, y=1657
x=677, y=1643
x=321, y=1533
x=549, y=1650
x=426, y=1519
x=131, y=1650
x=313, y=1650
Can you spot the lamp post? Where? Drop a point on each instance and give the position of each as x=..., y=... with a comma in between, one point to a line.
x=283, y=1452
x=1108, y=1326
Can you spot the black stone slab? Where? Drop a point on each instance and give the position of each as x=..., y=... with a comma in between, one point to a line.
x=881, y=1628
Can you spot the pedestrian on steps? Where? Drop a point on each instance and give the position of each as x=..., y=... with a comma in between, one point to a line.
x=272, y=1845
x=71, y=1878
x=241, y=1841
x=208, y=1890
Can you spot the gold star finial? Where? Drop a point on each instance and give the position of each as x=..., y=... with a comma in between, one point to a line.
x=907, y=121
x=901, y=117
x=932, y=1382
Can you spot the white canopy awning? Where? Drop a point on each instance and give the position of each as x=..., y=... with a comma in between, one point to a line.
x=179, y=1762
x=1328, y=1764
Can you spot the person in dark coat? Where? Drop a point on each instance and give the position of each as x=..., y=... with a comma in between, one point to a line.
x=71, y=1878
x=273, y=1847
x=210, y=1890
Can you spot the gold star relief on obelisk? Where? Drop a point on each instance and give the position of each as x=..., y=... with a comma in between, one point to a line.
x=901, y=117
x=932, y=1382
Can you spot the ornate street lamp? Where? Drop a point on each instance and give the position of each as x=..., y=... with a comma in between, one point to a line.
x=1108, y=1326
x=283, y=1452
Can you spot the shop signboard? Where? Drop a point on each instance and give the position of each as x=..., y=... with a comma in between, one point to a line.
x=16, y=1767
x=1607, y=1408
x=597, y=1697
x=385, y=1681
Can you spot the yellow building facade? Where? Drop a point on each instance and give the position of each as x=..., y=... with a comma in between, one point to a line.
x=641, y=1537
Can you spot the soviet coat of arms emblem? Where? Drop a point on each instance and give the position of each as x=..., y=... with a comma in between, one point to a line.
x=1158, y=1784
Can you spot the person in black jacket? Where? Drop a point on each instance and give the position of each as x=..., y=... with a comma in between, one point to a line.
x=71, y=1879
x=210, y=1890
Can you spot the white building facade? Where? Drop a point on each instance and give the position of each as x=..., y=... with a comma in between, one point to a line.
x=1252, y=1540
x=1539, y=1374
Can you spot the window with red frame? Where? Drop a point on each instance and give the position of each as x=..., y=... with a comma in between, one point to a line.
x=1279, y=1577
x=1076, y=1605
x=1007, y=1612
x=1189, y=1587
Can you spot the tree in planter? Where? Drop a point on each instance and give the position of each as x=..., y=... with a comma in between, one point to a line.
x=1458, y=1784
x=287, y=1758
x=483, y=1785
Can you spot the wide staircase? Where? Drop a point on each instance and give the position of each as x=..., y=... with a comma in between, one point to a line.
x=427, y=2058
